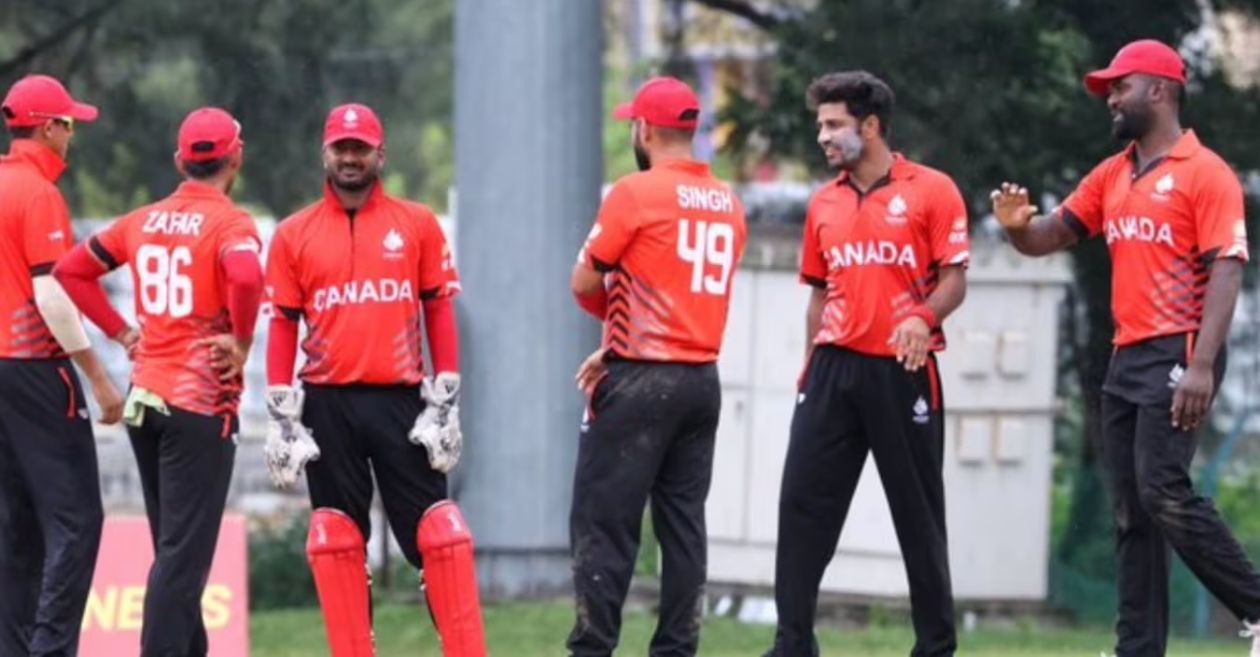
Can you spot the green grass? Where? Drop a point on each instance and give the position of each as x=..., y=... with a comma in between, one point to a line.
x=539, y=629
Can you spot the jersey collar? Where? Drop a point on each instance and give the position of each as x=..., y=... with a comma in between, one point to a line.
x=44, y=159
x=198, y=189
x=1185, y=147
x=687, y=166
x=902, y=169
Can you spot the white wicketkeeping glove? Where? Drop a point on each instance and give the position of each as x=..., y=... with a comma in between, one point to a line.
x=437, y=427
x=289, y=443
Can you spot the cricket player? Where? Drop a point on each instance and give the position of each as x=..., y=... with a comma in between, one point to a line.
x=50, y=499
x=656, y=270
x=1171, y=211
x=364, y=270
x=197, y=275
x=885, y=252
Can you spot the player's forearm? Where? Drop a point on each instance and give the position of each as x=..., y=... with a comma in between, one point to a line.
x=1043, y=235
x=439, y=326
x=59, y=314
x=949, y=293
x=282, y=339
x=79, y=275
x=90, y=365
x=595, y=302
x=244, y=277
x=813, y=317
x=1218, y=310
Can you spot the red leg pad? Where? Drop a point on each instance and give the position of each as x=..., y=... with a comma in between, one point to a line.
x=338, y=561
x=450, y=576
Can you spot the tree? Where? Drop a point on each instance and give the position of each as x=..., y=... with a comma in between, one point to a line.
x=278, y=66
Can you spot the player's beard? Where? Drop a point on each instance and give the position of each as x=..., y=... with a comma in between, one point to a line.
x=1133, y=122
x=364, y=182
x=642, y=158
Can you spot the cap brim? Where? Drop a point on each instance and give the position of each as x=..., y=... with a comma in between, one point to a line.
x=367, y=139
x=623, y=111
x=84, y=112
x=1099, y=82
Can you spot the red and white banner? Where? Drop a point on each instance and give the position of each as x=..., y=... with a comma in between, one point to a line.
x=115, y=609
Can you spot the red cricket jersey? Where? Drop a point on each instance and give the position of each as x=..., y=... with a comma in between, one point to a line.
x=359, y=282
x=670, y=239
x=1164, y=227
x=175, y=247
x=34, y=232
x=879, y=254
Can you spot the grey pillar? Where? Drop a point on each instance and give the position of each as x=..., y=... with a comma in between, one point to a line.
x=528, y=172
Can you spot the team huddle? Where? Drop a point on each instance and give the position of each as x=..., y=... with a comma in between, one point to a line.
x=370, y=276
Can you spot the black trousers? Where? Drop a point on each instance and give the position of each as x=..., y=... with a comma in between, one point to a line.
x=650, y=433
x=50, y=508
x=1147, y=462
x=362, y=430
x=851, y=405
x=185, y=462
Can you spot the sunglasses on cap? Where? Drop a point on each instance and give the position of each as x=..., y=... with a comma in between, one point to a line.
x=66, y=121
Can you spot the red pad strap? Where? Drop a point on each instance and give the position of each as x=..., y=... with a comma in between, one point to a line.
x=450, y=576
x=338, y=561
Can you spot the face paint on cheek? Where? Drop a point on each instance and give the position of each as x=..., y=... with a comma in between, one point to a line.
x=850, y=145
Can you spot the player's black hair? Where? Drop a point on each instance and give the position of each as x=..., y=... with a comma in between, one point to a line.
x=204, y=170
x=863, y=95
x=22, y=132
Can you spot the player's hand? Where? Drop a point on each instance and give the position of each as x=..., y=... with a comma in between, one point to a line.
x=227, y=354
x=437, y=428
x=1011, y=206
x=289, y=444
x=129, y=338
x=109, y=399
x=911, y=339
x=1192, y=398
x=591, y=371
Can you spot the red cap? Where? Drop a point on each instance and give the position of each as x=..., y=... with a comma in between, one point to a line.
x=208, y=134
x=37, y=98
x=667, y=102
x=1146, y=56
x=354, y=121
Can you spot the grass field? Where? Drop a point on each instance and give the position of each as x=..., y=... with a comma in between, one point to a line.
x=538, y=630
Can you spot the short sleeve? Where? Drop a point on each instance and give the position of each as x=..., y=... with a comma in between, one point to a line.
x=283, y=287
x=614, y=228
x=46, y=233
x=1083, y=209
x=1220, y=227
x=813, y=266
x=947, y=228
x=239, y=233
x=438, y=277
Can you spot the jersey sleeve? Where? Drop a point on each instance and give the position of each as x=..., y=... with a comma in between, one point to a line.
x=239, y=233
x=110, y=244
x=438, y=276
x=1220, y=227
x=282, y=286
x=947, y=227
x=1083, y=209
x=46, y=233
x=615, y=226
x=813, y=265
